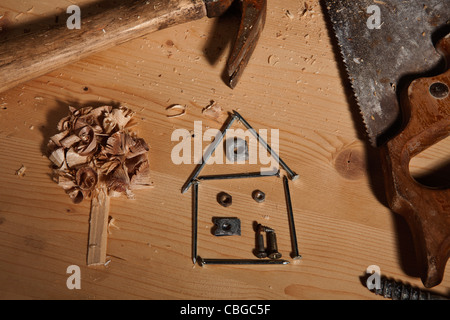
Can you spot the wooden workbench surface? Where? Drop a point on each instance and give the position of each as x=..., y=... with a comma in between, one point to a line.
x=293, y=83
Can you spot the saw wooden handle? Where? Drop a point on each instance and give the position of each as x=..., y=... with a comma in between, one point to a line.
x=426, y=210
x=37, y=53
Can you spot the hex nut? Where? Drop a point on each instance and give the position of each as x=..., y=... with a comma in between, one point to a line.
x=236, y=149
x=259, y=196
x=224, y=199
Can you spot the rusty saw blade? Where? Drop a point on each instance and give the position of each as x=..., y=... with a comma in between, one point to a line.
x=382, y=42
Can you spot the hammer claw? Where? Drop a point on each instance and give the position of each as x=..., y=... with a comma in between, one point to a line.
x=252, y=24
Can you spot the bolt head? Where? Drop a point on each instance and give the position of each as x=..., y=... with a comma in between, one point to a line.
x=274, y=255
x=439, y=90
x=261, y=254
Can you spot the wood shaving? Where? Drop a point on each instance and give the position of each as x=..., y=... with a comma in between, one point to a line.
x=213, y=110
x=273, y=60
x=176, y=107
x=95, y=148
x=289, y=15
x=21, y=171
x=111, y=224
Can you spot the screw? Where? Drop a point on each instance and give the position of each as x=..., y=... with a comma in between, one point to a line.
x=439, y=90
x=292, y=174
x=397, y=290
x=295, y=254
x=260, y=251
x=242, y=261
x=272, y=248
x=265, y=229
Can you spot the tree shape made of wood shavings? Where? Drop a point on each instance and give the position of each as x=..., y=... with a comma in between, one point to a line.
x=95, y=150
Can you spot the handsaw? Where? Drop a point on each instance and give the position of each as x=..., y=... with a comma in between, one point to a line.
x=394, y=63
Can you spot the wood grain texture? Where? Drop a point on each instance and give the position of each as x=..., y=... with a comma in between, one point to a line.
x=38, y=52
x=426, y=210
x=98, y=229
x=293, y=83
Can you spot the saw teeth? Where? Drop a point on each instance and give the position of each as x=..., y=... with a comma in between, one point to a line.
x=376, y=60
x=372, y=139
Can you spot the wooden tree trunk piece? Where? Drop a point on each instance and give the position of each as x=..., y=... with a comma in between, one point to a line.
x=98, y=229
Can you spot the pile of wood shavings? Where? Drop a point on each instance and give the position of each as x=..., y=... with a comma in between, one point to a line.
x=96, y=149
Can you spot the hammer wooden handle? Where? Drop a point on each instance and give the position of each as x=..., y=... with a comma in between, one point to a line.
x=37, y=53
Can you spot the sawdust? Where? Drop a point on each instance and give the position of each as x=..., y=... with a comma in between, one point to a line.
x=289, y=15
x=308, y=10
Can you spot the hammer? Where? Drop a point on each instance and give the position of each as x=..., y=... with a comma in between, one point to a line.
x=36, y=53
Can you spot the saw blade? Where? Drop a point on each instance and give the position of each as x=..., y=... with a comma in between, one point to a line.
x=383, y=43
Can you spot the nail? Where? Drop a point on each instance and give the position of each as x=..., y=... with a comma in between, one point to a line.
x=242, y=261
x=194, y=221
x=292, y=174
x=295, y=254
x=239, y=176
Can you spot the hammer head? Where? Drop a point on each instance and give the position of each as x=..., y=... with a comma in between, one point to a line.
x=253, y=17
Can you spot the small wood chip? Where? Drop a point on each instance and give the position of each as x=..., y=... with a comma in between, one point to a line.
x=213, y=110
x=289, y=14
x=21, y=171
x=176, y=107
x=273, y=60
x=112, y=224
